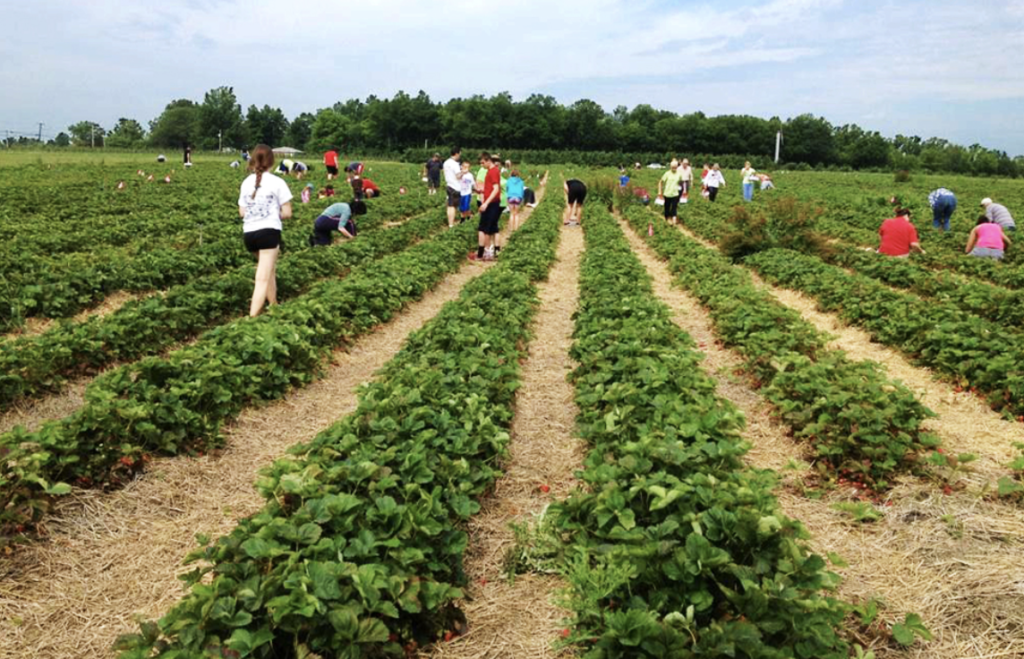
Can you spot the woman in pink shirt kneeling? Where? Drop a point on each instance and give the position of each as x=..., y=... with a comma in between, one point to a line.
x=987, y=240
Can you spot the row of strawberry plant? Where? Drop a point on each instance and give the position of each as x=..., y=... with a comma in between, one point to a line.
x=60, y=285
x=857, y=420
x=33, y=364
x=972, y=351
x=358, y=551
x=1000, y=305
x=675, y=548
x=168, y=405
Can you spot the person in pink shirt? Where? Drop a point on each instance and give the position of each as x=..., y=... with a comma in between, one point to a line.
x=987, y=240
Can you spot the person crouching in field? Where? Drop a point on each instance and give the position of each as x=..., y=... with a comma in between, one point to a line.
x=263, y=201
x=339, y=218
x=575, y=194
x=987, y=240
x=898, y=236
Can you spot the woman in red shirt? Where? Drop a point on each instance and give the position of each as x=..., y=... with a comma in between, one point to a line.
x=898, y=235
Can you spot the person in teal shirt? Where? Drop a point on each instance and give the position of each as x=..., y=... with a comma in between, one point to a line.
x=336, y=217
x=515, y=189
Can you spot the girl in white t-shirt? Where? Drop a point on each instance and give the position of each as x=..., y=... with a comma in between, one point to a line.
x=263, y=202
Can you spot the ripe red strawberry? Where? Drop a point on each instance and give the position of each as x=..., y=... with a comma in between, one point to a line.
x=545, y=489
x=565, y=633
x=448, y=636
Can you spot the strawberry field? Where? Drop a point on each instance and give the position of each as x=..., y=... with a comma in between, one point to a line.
x=620, y=439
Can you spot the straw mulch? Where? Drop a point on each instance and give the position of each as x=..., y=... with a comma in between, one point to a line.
x=109, y=556
x=520, y=621
x=107, y=306
x=955, y=559
x=33, y=412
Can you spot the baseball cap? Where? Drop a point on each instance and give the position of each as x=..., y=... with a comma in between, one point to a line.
x=986, y=201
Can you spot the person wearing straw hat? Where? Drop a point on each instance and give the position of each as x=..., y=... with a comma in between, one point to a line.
x=669, y=188
x=998, y=214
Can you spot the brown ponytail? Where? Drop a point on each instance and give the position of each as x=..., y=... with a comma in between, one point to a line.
x=261, y=160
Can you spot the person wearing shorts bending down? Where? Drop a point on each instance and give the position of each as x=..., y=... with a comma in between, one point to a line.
x=575, y=195
x=263, y=201
x=490, y=213
x=338, y=217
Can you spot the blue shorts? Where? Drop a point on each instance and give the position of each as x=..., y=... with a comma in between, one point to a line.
x=464, y=202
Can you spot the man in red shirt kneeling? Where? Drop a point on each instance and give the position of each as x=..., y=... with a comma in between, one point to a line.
x=899, y=236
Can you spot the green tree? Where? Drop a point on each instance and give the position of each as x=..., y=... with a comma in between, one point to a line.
x=299, y=130
x=87, y=133
x=177, y=126
x=266, y=126
x=62, y=139
x=127, y=134
x=220, y=120
x=808, y=139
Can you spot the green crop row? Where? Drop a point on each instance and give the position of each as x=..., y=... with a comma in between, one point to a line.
x=34, y=364
x=60, y=285
x=358, y=551
x=168, y=405
x=972, y=351
x=857, y=420
x=675, y=548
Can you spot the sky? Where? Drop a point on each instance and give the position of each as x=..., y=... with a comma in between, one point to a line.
x=941, y=68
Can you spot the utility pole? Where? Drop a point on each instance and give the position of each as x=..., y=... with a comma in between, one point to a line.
x=220, y=140
x=40, y=138
x=92, y=137
x=778, y=145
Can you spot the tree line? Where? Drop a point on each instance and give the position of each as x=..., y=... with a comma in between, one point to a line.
x=584, y=132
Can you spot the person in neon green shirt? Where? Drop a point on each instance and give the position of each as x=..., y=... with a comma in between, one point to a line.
x=669, y=188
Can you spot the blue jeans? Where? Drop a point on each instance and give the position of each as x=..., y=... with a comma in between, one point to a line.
x=748, y=191
x=943, y=211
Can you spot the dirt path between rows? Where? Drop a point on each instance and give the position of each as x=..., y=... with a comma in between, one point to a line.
x=520, y=621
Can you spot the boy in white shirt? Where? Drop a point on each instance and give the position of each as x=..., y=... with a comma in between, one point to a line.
x=467, y=184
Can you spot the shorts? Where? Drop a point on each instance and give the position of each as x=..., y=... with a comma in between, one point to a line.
x=454, y=197
x=332, y=170
x=433, y=182
x=577, y=194
x=256, y=241
x=514, y=202
x=489, y=220
x=464, y=202
x=987, y=253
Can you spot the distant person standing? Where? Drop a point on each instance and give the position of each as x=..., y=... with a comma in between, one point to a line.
x=687, y=173
x=714, y=180
x=575, y=195
x=898, y=236
x=516, y=189
x=187, y=156
x=331, y=164
x=453, y=183
x=263, y=202
x=943, y=203
x=490, y=212
x=467, y=184
x=703, y=185
x=433, y=173
x=999, y=214
x=749, y=177
x=669, y=188
x=987, y=240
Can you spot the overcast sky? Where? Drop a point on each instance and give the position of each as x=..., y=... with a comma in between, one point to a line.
x=947, y=68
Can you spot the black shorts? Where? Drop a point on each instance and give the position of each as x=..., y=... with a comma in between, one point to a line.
x=434, y=182
x=454, y=197
x=489, y=220
x=332, y=170
x=256, y=241
x=577, y=194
